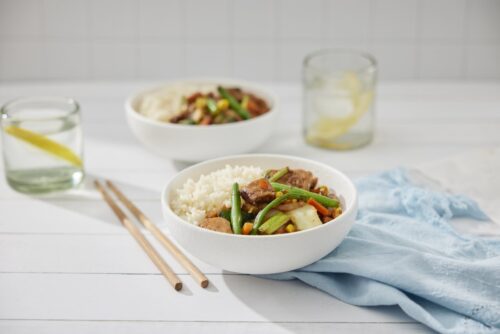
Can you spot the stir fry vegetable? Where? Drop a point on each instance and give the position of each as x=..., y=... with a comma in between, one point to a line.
x=247, y=228
x=278, y=175
x=274, y=223
x=236, y=218
x=262, y=213
x=304, y=194
x=212, y=105
x=305, y=217
x=320, y=208
x=264, y=206
x=234, y=103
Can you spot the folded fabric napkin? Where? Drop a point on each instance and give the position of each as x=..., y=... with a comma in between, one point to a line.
x=401, y=251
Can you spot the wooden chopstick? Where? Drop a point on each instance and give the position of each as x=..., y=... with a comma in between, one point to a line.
x=139, y=237
x=162, y=238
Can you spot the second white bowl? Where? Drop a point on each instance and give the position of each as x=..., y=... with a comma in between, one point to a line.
x=197, y=143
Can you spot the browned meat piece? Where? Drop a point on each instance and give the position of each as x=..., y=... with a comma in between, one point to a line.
x=236, y=93
x=252, y=209
x=218, y=224
x=281, y=230
x=179, y=117
x=192, y=98
x=257, y=106
x=323, y=190
x=258, y=191
x=290, y=205
x=212, y=214
x=326, y=219
x=298, y=178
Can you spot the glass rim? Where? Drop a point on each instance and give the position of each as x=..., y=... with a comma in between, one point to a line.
x=75, y=107
x=372, y=62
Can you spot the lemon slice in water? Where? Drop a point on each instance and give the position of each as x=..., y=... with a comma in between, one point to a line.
x=45, y=144
x=327, y=129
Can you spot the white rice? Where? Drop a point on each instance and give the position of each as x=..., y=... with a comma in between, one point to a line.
x=211, y=191
x=163, y=104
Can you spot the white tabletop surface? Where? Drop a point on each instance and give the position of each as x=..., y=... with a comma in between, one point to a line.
x=68, y=266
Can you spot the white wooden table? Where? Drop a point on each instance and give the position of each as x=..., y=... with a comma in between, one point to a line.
x=67, y=266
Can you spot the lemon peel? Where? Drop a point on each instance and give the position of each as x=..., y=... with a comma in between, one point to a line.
x=326, y=129
x=45, y=144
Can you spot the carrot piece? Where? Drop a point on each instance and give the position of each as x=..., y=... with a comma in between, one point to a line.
x=206, y=120
x=320, y=208
x=247, y=228
x=263, y=184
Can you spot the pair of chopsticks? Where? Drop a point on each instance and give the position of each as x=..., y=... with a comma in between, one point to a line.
x=157, y=233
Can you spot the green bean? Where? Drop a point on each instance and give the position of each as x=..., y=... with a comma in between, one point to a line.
x=212, y=106
x=236, y=220
x=274, y=223
x=245, y=216
x=278, y=175
x=259, y=219
x=304, y=194
x=187, y=121
x=234, y=103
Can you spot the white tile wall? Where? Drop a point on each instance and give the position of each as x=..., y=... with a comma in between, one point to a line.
x=443, y=20
x=113, y=60
x=395, y=21
x=250, y=39
x=347, y=20
x=160, y=60
x=299, y=19
x=60, y=21
x=254, y=60
x=208, y=20
x=484, y=24
x=208, y=58
x=161, y=20
x=58, y=64
x=437, y=61
x=114, y=20
x=483, y=61
x=253, y=20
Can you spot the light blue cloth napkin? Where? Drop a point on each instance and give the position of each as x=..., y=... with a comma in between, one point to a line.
x=401, y=251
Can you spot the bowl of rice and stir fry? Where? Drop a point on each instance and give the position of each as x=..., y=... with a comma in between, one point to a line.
x=194, y=120
x=259, y=214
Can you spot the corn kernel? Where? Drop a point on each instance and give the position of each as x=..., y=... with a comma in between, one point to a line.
x=222, y=104
x=244, y=101
x=338, y=211
x=278, y=194
x=201, y=102
x=290, y=228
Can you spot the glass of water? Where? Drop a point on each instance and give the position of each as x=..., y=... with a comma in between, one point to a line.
x=339, y=91
x=42, y=144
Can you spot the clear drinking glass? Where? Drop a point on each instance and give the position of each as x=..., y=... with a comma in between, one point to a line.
x=42, y=144
x=339, y=91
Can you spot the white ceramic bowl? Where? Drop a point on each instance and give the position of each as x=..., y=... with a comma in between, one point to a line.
x=197, y=143
x=262, y=254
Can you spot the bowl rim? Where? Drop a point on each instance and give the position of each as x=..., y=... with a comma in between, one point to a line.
x=166, y=206
x=270, y=98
